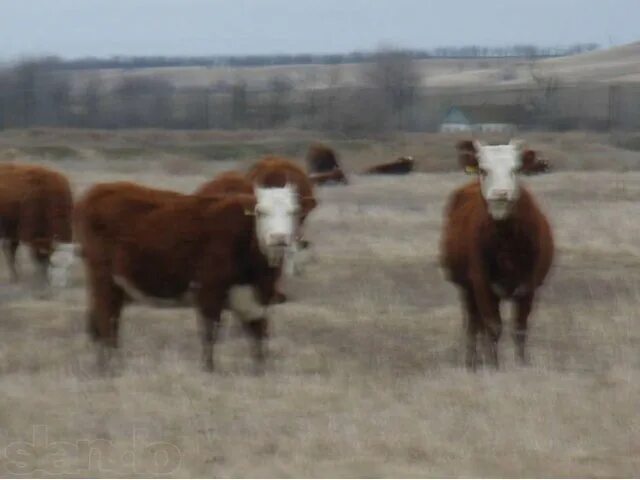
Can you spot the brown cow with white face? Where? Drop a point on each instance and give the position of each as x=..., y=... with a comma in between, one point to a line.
x=165, y=248
x=496, y=245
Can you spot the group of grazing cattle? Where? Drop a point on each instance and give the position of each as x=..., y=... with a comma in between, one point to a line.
x=225, y=245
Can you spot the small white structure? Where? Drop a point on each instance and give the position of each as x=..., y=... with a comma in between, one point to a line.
x=483, y=119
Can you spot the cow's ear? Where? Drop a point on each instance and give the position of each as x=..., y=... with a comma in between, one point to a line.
x=308, y=203
x=469, y=161
x=527, y=161
x=478, y=144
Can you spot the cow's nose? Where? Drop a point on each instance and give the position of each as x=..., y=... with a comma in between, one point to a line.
x=501, y=194
x=278, y=239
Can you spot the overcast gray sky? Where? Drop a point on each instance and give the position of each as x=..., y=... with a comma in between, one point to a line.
x=76, y=28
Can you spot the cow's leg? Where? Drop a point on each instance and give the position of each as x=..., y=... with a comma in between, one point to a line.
x=10, y=247
x=279, y=296
x=489, y=310
x=522, y=311
x=210, y=326
x=41, y=261
x=107, y=300
x=258, y=330
x=95, y=281
x=91, y=324
x=253, y=316
x=108, y=324
x=473, y=326
x=209, y=314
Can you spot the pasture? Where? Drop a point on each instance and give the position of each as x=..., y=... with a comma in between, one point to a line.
x=366, y=373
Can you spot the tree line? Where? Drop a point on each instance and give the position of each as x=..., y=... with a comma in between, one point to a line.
x=34, y=93
x=469, y=51
x=386, y=96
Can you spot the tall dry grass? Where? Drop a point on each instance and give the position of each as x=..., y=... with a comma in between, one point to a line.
x=365, y=374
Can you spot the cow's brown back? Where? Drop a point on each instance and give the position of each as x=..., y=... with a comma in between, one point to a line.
x=226, y=183
x=163, y=264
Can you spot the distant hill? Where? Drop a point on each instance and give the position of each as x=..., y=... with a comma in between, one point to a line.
x=618, y=64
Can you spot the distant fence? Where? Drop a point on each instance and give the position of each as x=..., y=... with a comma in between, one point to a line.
x=579, y=106
x=353, y=110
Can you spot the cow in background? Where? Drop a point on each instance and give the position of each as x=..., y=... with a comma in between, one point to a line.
x=532, y=165
x=230, y=182
x=323, y=165
x=36, y=208
x=401, y=166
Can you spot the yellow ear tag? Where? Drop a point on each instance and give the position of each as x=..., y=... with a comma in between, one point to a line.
x=470, y=170
x=249, y=213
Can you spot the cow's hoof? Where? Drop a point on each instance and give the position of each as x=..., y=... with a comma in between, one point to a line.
x=279, y=297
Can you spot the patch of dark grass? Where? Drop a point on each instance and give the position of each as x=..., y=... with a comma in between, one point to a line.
x=122, y=153
x=626, y=141
x=54, y=152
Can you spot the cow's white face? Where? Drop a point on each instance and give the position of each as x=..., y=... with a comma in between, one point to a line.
x=498, y=166
x=277, y=213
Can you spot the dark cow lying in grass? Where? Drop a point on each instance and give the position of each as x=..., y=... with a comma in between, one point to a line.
x=323, y=165
x=165, y=248
x=401, y=166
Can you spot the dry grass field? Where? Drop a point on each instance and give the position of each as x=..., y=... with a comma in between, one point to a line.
x=365, y=375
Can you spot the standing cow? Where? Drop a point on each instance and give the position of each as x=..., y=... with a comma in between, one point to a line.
x=163, y=248
x=496, y=245
x=35, y=210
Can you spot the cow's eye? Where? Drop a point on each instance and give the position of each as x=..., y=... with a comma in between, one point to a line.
x=483, y=173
